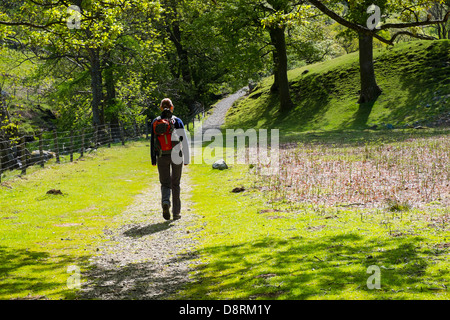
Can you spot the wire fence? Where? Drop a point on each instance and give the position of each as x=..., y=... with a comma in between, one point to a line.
x=198, y=112
x=64, y=146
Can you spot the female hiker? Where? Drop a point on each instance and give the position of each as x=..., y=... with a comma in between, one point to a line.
x=169, y=150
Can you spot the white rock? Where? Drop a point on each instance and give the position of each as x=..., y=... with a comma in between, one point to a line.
x=220, y=164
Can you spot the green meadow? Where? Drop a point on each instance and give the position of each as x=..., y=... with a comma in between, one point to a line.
x=42, y=235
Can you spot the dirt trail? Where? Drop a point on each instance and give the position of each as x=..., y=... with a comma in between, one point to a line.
x=148, y=257
x=217, y=119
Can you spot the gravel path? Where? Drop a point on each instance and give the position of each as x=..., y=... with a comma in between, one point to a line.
x=217, y=119
x=148, y=258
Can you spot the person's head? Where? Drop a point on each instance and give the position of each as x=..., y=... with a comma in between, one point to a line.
x=166, y=104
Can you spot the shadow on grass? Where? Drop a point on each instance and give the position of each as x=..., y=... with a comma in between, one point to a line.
x=363, y=114
x=136, y=281
x=27, y=274
x=310, y=94
x=424, y=79
x=138, y=232
x=297, y=269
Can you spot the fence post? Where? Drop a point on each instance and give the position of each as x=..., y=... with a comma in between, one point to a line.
x=55, y=135
x=71, y=146
x=41, y=150
x=1, y=156
x=23, y=156
x=82, y=144
x=109, y=130
x=95, y=136
x=122, y=137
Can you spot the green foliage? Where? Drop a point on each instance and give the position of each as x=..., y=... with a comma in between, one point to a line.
x=286, y=13
x=357, y=9
x=254, y=248
x=208, y=47
x=8, y=130
x=20, y=91
x=70, y=53
x=191, y=51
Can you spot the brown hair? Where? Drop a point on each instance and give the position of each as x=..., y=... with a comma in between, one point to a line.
x=166, y=104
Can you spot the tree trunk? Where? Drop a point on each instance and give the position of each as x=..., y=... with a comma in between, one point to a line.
x=281, y=83
x=173, y=28
x=369, y=87
x=96, y=78
x=276, y=82
x=182, y=54
x=110, y=100
x=110, y=86
x=96, y=86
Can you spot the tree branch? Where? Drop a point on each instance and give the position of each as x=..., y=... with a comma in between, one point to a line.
x=364, y=30
x=418, y=36
x=354, y=26
x=414, y=24
x=413, y=12
x=32, y=25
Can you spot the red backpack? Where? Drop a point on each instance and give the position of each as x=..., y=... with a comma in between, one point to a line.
x=163, y=129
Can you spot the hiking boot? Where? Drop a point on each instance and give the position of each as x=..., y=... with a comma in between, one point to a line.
x=176, y=216
x=166, y=210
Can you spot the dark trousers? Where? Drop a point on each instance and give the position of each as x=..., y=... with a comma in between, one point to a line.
x=170, y=178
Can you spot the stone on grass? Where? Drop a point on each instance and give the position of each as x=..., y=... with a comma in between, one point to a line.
x=220, y=164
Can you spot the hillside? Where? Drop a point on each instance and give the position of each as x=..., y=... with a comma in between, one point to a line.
x=414, y=77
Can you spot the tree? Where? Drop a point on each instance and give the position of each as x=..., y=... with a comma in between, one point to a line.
x=355, y=18
x=280, y=14
x=174, y=31
x=101, y=24
x=275, y=23
x=210, y=49
x=438, y=10
x=269, y=20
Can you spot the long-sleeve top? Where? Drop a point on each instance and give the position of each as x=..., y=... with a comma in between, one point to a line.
x=179, y=127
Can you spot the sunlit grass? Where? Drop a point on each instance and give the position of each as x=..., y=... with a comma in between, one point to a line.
x=413, y=77
x=257, y=246
x=252, y=245
x=41, y=235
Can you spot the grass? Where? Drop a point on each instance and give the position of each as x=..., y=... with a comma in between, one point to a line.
x=254, y=246
x=412, y=75
x=412, y=171
x=42, y=235
x=278, y=239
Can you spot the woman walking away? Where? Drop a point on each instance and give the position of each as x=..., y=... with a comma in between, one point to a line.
x=169, y=149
